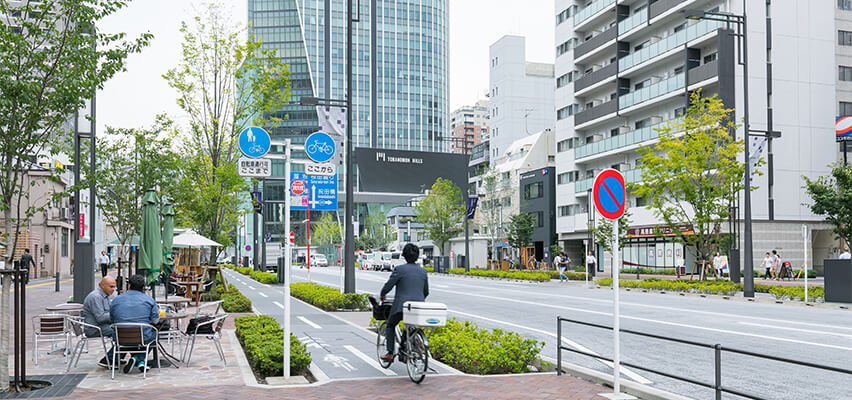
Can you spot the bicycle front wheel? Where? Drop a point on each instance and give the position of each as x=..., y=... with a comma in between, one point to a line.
x=418, y=356
x=381, y=345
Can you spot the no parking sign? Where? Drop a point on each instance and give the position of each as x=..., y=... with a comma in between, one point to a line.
x=609, y=194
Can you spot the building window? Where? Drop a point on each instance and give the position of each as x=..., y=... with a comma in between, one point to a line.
x=643, y=123
x=680, y=27
x=507, y=202
x=64, y=243
x=563, y=211
x=613, y=132
x=641, y=202
x=565, y=112
x=562, y=178
x=844, y=38
x=640, y=85
x=641, y=46
x=844, y=73
x=679, y=112
x=845, y=109
x=563, y=145
x=565, y=47
x=563, y=16
x=710, y=58
x=844, y=5
x=533, y=191
x=539, y=218
x=564, y=80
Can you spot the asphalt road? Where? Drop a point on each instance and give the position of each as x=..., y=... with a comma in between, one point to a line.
x=816, y=335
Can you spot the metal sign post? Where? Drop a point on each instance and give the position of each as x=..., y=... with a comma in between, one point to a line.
x=610, y=200
x=288, y=254
x=805, y=263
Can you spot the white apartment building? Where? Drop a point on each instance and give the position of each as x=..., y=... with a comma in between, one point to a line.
x=624, y=67
x=520, y=94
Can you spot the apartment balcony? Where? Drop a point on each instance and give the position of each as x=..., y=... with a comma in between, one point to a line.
x=593, y=113
x=621, y=141
x=630, y=176
x=583, y=15
x=594, y=43
x=662, y=6
x=669, y=43
x=658, y=89
x=593, y=78
x=633, y=21
x=702, y=73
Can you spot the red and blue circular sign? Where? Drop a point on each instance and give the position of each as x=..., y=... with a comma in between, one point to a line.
x=610, y=194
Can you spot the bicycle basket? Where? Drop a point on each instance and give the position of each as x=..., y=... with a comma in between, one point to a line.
x=381, y=312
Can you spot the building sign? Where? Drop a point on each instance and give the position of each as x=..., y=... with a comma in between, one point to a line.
x=254, y=167
x=653, y=231
x=85, y=221
x=400, y=171
x=843, y=129
x=323, y=169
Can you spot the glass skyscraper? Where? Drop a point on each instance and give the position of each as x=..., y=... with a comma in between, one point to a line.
x=400, y=65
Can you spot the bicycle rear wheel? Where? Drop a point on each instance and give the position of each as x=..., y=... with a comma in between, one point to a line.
x=381, y=345
x=418, y=356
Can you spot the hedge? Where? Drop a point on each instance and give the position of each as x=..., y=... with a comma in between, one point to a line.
x=260, y=276
x=329, y=299
x=470, y=349
x=717, y=287
x=262, y=338
x=234, y=301
x=538, y=276
x=572, y=276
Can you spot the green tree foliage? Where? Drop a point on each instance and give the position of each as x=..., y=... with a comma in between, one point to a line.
x=603, y=231
x=521, y=227
x=53, y=60
x=129, y=162
x=376, y=234
x=693, y=174
x=326, y=230
x=224, y=84
x=441, y=212
x=832, y=197
x=489, y=207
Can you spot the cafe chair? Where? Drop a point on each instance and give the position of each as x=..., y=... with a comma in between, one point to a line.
x=210, y=329
x=130, y=339
x=78, y=329
x=215, y=305
x=51, y=328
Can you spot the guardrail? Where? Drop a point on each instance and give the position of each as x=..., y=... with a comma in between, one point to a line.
x=716, y=385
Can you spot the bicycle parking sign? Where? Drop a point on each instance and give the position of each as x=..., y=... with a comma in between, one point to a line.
x=320, y=147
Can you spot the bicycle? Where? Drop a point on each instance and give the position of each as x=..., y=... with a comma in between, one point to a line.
x=412, y=346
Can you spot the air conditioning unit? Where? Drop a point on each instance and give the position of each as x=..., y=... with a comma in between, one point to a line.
x=624, y=129
x=655, y=79
x=656, y=120
x=596, y=102
x=623, y=167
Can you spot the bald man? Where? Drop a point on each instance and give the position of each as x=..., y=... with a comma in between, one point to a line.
x=96, y=312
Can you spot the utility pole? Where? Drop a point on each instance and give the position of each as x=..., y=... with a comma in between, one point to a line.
x=349, y=241
x=254, y=231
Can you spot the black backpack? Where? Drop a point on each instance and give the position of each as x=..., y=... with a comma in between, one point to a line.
x=194, y=322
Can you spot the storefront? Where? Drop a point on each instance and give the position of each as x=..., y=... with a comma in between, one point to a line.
x=656, y=247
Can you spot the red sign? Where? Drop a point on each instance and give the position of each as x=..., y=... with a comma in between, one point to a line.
x=292, y=237
x=298, y=187
x=610, y=194
x=651, y=231
x=82, y=229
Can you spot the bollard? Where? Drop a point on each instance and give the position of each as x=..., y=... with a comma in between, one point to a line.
x=718, y=361
x=57, y=281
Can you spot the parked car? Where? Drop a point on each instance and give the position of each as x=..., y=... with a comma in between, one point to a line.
x=319, y=260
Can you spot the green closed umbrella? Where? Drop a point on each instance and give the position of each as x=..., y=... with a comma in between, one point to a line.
x=150, y=244
x=168, y=239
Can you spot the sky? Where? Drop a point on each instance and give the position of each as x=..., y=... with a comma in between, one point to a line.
x=133, y=98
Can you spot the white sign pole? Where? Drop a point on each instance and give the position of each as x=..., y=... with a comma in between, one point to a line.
x=616, y=266
x=805, y=264
x=287, y=262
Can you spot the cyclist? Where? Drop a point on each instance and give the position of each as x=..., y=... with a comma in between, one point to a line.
x=412, y=284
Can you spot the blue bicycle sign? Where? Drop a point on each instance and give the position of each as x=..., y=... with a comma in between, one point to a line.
x=255, y=142
x=320, y=147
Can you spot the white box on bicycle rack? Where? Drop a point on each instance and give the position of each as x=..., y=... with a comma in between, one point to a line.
x=419, y=313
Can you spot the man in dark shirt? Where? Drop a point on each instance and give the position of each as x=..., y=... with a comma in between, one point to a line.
x=136, y=306
x=95, y=312
x=27, y=260
x=412, y=284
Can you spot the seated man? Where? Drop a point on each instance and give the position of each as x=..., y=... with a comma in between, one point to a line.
x=411, y=284
x=136, y=306
x=95, y=312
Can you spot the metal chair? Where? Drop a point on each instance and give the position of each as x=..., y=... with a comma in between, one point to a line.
x=217, y=304
x=201, y=330
x=78, y=328
x=130, y=339
x=52, y=328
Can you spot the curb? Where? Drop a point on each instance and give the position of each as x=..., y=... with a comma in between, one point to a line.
x=761, y=300
x=636, y=389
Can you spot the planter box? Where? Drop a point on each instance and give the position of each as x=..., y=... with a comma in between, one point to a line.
x=838, y=281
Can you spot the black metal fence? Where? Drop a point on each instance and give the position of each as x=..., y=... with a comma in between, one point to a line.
x=716, y=385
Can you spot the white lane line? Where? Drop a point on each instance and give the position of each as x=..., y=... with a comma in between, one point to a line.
x=250, y=288
x=307, y=321
x=797, y=330
x=514, y=300
x=278, y=304
x=262, y=294
x=636, y=377
x=441, y=286
x=370, y=361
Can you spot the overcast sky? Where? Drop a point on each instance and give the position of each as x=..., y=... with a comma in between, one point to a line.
x=134, y=97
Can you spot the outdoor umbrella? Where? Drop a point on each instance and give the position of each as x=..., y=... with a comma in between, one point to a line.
x=150, y=245
x=168, y=237
x=192, y=239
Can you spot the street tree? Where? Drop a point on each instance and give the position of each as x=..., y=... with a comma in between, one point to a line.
x=441, y=212
x=326, y=231
x=491, y=207
x=832, y=197
x=521, y=227
x=53, y=61
x=131, y=161
x=603, y=231
x=224, y=84
x=376, y=233
x=691, y=177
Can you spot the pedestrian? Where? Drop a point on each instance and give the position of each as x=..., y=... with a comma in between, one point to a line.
x=776, y=264
x=718, y=264
x=767, y=263
x=557, y=262
x=27, y=260
x=590, y=262
x=103, y=260
x=845, y=255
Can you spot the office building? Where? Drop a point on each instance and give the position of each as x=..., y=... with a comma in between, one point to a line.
x=625, y=68
x=468, y=125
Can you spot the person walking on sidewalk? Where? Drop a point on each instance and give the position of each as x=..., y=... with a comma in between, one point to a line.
x=776, y=264
x=590, y=262
x=557, y=261
x=718, y=264
x=767, y=263
x=103, y=260
x=27, y=260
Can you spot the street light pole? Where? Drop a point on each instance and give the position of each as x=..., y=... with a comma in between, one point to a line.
x=349, y=241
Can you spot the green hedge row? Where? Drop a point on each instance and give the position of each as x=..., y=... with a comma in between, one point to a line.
x=262, y=277
x=538, y=276
x=329, y=299
x=234, y=301
x=262, y=339
x=572, y=276
x=470, y=349
x=716, y=287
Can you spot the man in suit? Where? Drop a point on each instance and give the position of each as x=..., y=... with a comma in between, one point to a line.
x=412, y=284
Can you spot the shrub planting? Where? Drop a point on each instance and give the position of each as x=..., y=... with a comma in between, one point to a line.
x=329, y=299
x=261, y=338
x=473, y=350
